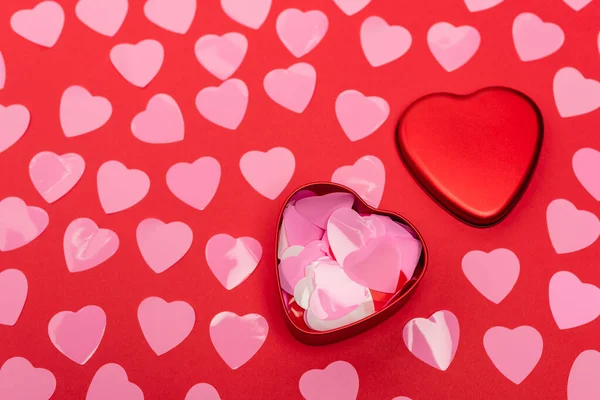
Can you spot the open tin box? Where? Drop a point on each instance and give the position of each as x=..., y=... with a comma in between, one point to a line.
x=390, y=304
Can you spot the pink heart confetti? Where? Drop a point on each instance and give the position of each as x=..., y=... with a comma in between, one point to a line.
x=2, y=71
x=318, y=209
x=292, y=88
x=351, y=7
x=224, y=105
x=300, y=32
x=86, y=246
x=19, y=380
x=574, y=94
x=366, y=177
x=251, y=14
x=232, y=260
x=347, y=232
x=54, y=176
x=360, y=115
x=535, y=39
x=453, y=46
x=111, y=382
x=77, y=335
x=162, y=245
x=173, y=15
x=20, y=224
x=292, y=268
x=13, y=293
x=577, y=4
x=584, y=378
x=221, y=55
x=572, y=302
x=195, y=184
x=268, y=172
x=586, y=164
x=202, y=391
x=14, y=121
x=138, y=63
x=481, y=5
x=383, y=43
x=237, y=339
x=120, y=188
x=571, y=229
x=339, y=380
x=161, y=122
x=165, y=325
x=493, y=274
x=103, y=16
x=41, y=25
x=81, y=113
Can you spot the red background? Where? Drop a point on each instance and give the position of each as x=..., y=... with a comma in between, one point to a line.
x=37, y=77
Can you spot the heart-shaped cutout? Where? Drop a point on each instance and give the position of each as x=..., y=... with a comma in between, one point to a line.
x=310, y=270
x=473, y=154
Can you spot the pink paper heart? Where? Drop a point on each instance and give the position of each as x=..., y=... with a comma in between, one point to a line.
x=577, y=4
x=359, y=115
x=366, y=177
x=383, y=43
x=268, y=172
x=535, y=39
x=297, y=229
x=237, y=339
x=480, y=5
x=162, y=245
x=20, y=224
x=224, y=105
x=195, y=183
x=584, y=378
x=221, y=55
x=161, y=122
x=348, y=231
x=351, y=7
x=435, y=340
x=2, y=71
x=120, y=188
x=80, y=112
x=570, y=229
x=572, y=302
x=251, y=14
x=339, y=380
x=173, y=15
x=586, y=164
x=574, y=94
x=318, y=209
x=86, y=246
x=292, y=268
x=300, y=32
x=291, y=88
x=493, y=274
x=41, y=25
x=103, y=16
x=14, y=121
x=77, y=335
x=165, y=325
x=453, y=46
x=54, y=176
x=13, y=293
x=111, y=382
x=19, y=380
x=138, y=63
x=202, y=391
x=515, y=352
x=232, y=260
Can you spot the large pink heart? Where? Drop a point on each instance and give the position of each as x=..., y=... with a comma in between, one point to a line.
x=572, y=302
x=360, y=115
x=41, y=25
x=300, y=32
x=20, y=224
x=202, y=391
x=584, y=378
x=535, y=39
x=111, y=382
x=453, y=46
x=493, y=274
x=195, y=183
x=138, y=63
x=348, y=231
x=53, y=176
x=13, y=293
x=173, y=15
x=161, y=122
x=291, y=88
x=574, y=94
x=119, y=187
x=339, y=380
x=162, y=245
x=232, y=260
x=224, y=105
x=586, y=164
x=102, y=16
x=19, y=380
x=383, y=43
x=366, y=177
x=221, y=55
x=570, y=229
x=268, y=172
x=85, y=246
x=14, y=121
x=80, y=112
x=251, y=14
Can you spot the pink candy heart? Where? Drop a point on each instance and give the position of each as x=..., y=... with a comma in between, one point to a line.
x=120, y=188
x=515, y=352
x=339, y=380
x=221, y=55
x=574, y=94
x=195, y=184
x=291, y=88
x=570, y=229
x=20, y=224
x=535, y=39
x=237, y=339
x=577, y=4
x=351, y=7
x=80, y=112
x=586, y=164
x=111, y=382
x=572, y=302
x=268, y=172
x=202, y=391
x=161, y=122
x=224, y=105
x=13, y=293
x=138, y=63
x=162, y=245
x=480, y=5
x=78, y=334
x=251, y=14
x=165, y=325
x=173, y=15
x=383, y=43
x=359, y=115
x=86, y=246
x=232, y=260
x=300, y=32
x=453, y=46
x=584, y=378
x=435, y=340
x=493, y=274
x=19, y=380
x=14, y=121
x=366, y=177
x=102, y=16
x=41, y=25
x=54, y=176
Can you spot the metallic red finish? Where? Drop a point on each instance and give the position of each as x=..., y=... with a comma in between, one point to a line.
x=473, y=154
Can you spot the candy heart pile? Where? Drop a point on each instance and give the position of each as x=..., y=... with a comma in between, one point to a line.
x=338, y=265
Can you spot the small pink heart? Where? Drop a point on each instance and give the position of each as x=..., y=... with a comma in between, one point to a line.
x=120, y=188
x=77, y=335
x=453, y=46
x=366, y=177
x=195, y=184
x=577, y=4
x=54, y=176
x=360, y=115
x=138, y=63
x=111, y=382
x=165, y=325
x=162, y=245
x=13, y=293
x=224, y=105
x=515, y=352
x=237, y=339
x=300, y=31
x=351, y=7
x=339, y=380
x=202, y=391
x=535, y=39
x=584, y=378
x=19, y=380
x=318, y=209
x=86, y=246
x=383, y=43
x=268, y=172
x=20, y=224
x=221, y=55
x=574, y=94
x=2, y=71
x=493, y=274
x=251, y=14
x=161, y=122
x=232, y=260
x=103, y=16
x=14, y=121
x=173, y=15
x=480, y=5
x=80, y=112
x=571, y=229
x=586, y=164
x=291, y=88
x=572, y=302
x=435, y=340
x=41, y=25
